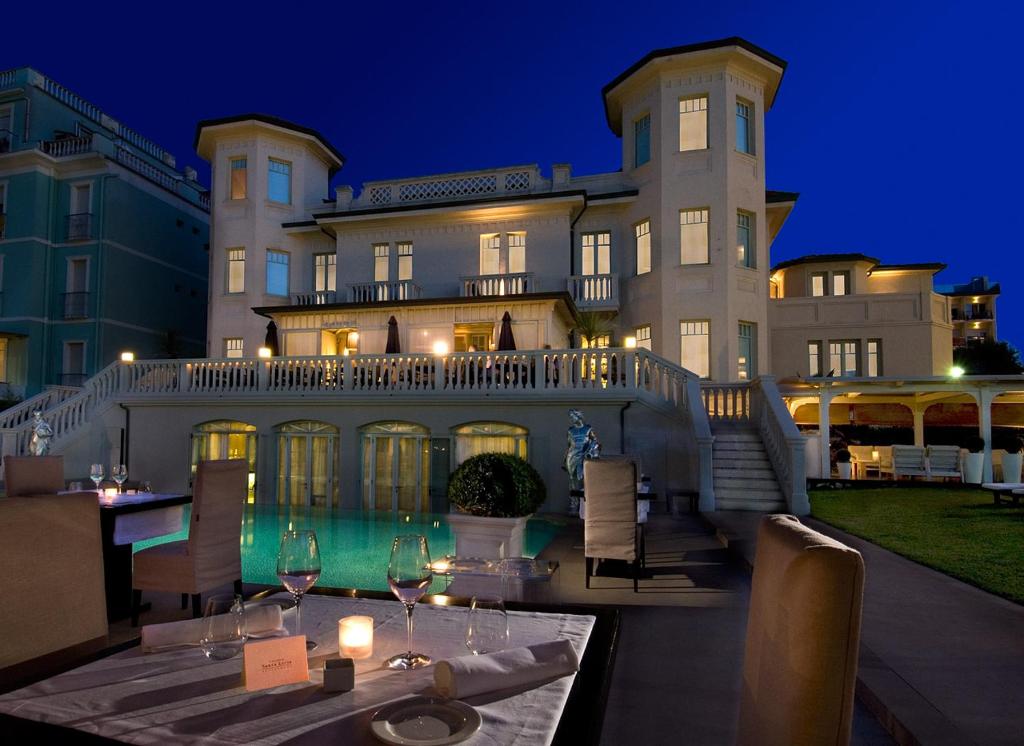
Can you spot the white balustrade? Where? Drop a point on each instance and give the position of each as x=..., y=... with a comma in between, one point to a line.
x=315, y=298
x=726, y=402
x=594, y=291
x=463, y=185
x=376, y=292
x=783, y=443
x=516, y=283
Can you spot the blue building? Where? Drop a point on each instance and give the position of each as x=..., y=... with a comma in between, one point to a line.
x=103, y=241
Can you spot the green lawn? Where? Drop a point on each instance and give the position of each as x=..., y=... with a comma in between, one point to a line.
x=956, y=531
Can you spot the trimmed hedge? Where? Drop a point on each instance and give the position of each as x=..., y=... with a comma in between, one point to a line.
x=496, y=485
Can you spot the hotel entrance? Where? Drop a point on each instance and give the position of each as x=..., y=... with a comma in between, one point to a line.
x=396, y=467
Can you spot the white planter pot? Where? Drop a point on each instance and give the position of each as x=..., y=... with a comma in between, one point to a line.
x=844, y=469
x=1011, y=467
x=487, y=538
x=973, y=465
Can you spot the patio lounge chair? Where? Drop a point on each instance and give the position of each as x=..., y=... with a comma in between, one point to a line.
x=33, y=475
x=211, y=555
x=803, y=635
x=884, y=460
x=909, y=461
x=944, y=461
x=610, y=529
x=863, y=459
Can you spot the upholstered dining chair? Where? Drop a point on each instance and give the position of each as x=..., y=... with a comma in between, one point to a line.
x=803, y=638
x=33, y=475
x=211, y=556
x=610, y=528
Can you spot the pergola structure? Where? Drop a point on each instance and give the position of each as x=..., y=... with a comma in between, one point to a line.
x=914, y=394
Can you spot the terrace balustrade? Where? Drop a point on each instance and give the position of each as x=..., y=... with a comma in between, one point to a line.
x=514, y=283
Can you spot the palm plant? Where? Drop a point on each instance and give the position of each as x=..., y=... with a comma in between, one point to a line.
x=592, y=325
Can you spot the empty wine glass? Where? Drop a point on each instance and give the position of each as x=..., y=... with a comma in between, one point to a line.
x=119, y=474
x=487, y=629
x=298, y=567
x=409, y=576
x=96, y=474
x=224, y=627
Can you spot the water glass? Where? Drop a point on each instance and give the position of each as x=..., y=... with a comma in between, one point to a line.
x=487, y=629
x=75, y=487
x=120, y=475
x=96, y=474
x=224, y=628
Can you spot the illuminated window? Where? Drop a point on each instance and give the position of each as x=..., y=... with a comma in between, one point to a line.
x=746, y=361
x=396, y=466
x=643, y=336
x=696, y=346
x=405, y=260
x=489, y=437
x=874, y=357
x=744, y=126
x=236, y=270
x=693, y=236
x=277, y=272
x=746, y=251
x=693, y=123
x=516, y=252
x=814, y=359
x=381, y=259
x=818, y=280
x=643, y=246
x=844, y=356
x=642, y=140
x=233, y=347
x=597, y=249
x=324, y=274
x=226, y=439
x=600, y=342
x=239, y=177
x=490, y=253
x=279, y=181
x=840, y=283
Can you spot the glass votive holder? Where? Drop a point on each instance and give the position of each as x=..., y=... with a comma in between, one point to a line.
x=355, y=637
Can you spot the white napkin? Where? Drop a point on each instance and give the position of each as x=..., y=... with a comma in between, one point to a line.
x=470, y=675
x=260, y=621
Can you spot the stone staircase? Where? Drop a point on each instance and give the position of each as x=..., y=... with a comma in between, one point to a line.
x=743, y=475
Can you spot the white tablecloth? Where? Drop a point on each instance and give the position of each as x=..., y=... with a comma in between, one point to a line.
x=181, y=697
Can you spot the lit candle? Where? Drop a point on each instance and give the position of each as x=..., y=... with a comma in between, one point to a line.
x=355, y=637
x=110, y=492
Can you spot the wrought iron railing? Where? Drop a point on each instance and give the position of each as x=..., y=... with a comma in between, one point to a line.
x=79, y=226
x=76, y=306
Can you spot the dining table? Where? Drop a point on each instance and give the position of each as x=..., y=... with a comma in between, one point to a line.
x=181, y=697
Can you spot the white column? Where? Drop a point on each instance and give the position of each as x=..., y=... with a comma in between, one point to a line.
x=918, y=410
x=985, y=430
x=824, y=400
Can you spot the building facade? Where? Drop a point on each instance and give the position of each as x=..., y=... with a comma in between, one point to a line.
x=973, y=310
x=103, y=242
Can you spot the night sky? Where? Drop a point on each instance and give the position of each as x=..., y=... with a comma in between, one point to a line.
x=899, y=122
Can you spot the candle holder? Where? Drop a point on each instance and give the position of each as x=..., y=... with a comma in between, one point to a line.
x=355, y=637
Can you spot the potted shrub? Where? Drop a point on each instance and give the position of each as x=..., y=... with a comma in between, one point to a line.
x=492, y=496
x=974, y=461
x=843, y=465
x=1012, y=460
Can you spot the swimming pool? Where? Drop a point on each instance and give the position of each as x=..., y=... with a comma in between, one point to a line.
x=354, y=546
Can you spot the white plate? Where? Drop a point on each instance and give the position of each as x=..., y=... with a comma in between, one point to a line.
x=425, y=721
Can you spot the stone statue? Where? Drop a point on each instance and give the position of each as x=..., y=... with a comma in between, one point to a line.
x=39, y=445
x=582, y=445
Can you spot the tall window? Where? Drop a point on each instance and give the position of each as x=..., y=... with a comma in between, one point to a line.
x=643, y=246
x=840, y=283
x=693, y=123
x=744, y=126
x=223, y=439
x=642, y=335
x=277, y=272
x=814, y=359
x=279, y=181
x=746, y=251
x=642, y=140
x=696, y=347
x=489, y=437
x=597, y=250
x=236, y=270
x=875, y=357
x=405, y=260
x=233, y=347
x=693, y=236
x=516, y=252
x=818, y=280
x=381, y=259
x=490, y=253
x=746, y=361
x=324, y=274
x=3, y=205
x=239, y=177
x=843, y=356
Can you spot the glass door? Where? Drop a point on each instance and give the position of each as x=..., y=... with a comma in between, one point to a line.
x=307, y=459
x=396, y=467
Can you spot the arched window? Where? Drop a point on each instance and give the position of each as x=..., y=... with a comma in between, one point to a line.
x=307, y=464
x=224, y=439
x=489, y=437
x=396, y=466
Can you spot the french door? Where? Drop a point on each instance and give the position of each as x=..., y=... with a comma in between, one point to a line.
x=396, y=467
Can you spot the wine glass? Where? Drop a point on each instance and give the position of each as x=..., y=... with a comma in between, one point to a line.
x=487, y=629
x=120, y=474
x=298, y=567
x=96, y=474
x=409, y=576
x=224, y=627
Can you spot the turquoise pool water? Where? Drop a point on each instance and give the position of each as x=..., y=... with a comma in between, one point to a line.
x=354, y=546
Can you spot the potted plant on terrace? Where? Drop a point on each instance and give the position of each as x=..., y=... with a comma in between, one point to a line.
x=493, y=495
x=974, y=461
x=1012, y=460
x=843, y=465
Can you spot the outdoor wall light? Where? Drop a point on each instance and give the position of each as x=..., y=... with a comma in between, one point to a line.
x=629, y=343
x=264, y=352
x=440, y=347
x=956, y=371
x=127, y=357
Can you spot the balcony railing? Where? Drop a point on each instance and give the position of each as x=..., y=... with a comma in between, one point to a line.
x=376, y=292
x=315, y=298
x=67, y=146
x=972, y=315
x=594, y=291
x=79, y=226
x=516, y=283
x=6, y=141
x=463, y=185
x=76, y=306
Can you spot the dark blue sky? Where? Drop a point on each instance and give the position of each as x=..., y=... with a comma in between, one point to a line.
x=899, y=122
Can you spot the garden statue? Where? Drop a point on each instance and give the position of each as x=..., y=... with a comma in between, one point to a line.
x=582, y=445
x=39, y=445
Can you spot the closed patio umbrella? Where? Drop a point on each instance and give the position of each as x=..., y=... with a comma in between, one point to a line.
x=270, y=341
x=393, y=346
x=506, y=341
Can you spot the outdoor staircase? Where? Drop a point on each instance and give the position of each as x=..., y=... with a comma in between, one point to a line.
x=744, y=477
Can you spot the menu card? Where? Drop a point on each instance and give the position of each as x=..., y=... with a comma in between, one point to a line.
x=271, y=663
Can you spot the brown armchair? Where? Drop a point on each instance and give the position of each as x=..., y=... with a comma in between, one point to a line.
x=33, y=475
